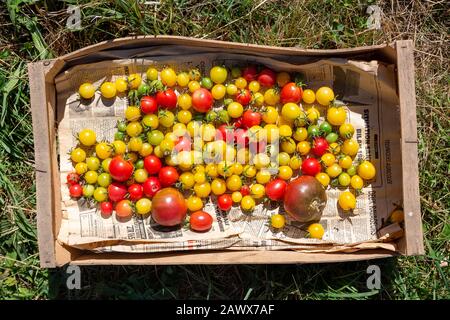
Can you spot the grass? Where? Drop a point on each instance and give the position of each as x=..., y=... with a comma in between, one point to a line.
x=35, y=30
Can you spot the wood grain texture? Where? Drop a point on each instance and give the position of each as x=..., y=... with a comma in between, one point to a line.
x=44, y=185
x=410, y=171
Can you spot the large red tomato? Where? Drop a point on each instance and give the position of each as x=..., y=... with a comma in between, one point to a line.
x=291, y=92
x=149, y=104
x=275, y=189
x=167, y=99
x=200, y=221
x=151, y=186
x=168, y=207
x=117, y=191
x=202, y=100
x=305, y=199
x=152, y=164
x=120, y=169
x=168, y=176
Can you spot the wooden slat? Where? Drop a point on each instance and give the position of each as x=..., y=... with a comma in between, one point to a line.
x=44, y=203
x=227, y=257
x=410, y=171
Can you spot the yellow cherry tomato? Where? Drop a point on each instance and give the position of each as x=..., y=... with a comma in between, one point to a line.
x=316, y=231
x=211, y=170
x=132, y=113
x=121, y=85
x=140, y=175
x=235, y=109
x=134, y=80
x=158, y=152
x=100, y=194
x=184, y=101
x=285, y=172
x=300, y=134
x=194, y=85
x=356, y=182
x=249, y=171
x=291, y=111
x=232, y=89
x=366, y=170
x=151, y=121
x=152, y=74
x=234, y=183
x=135, y=144
x=134, y=129
x=285, y=131
x=324, y=96
x=146, y=149
x=143, y=206
x=347, y=201
x=194, y=203
x=323, y=178
x=91, y=177
x=86, y=90
x=312, y=114
x=105, y=164
x=93, y=163
x=254, y=86
x=202, y=190
x=303, y=147
x=194, y=74
x=187, y=180
x=344, y=179
x=218, y=74
x=283, y=159
x=346, y=131
x=309, y=96
x=81, y=168
x=236, y=196
x=119, y=147
x=336, y=116
x=263, y=176
x=328, y=159
x=334, y=170
x=345, y=162
x=200, y=177
x=166, y=118
x=87, y=137
x=240, y=83
x=108, y=90
x=218, y=91
x=295, y=162
x=218, y=186
x=183, y=79
x=277, y=221
x=334, y=148
x=168, y=77
x=258, y=99
x=261, y=160
x=288, y=145
x=271, y=97
x=350, y=147
x=237, y=168
x=103, y=150
x=247, y=203
x=184, y=116
x=104, y=179
x=270, y=115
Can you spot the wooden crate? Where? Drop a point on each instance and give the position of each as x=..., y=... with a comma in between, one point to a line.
x=43, y=104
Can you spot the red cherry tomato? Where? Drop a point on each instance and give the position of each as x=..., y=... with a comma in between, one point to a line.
x=117, y=191
x=120, y=169
x=124, y=209
x=151, y=186
x=202, y=100
x=275, y=189
x=244, y=97
x=73, y=178
x=251, y=118
x=245, y=190
x=250, y=73
x=225, y=132
x=311, y=167
x=183, y=144
x=149, y=104
x=224, y=202
x=75, y=190
x=152, y=164
x=320, y=146
x=238, y=123
x=167, y=99
x=291, y=92
x=200, y=221
x=106, y=208
x=136, y=191
x=267, y=77
x=168, y=176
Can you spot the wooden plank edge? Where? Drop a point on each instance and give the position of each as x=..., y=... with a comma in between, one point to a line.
x=410, y=170
x=42, y=164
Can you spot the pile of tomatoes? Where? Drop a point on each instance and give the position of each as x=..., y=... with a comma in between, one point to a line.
x=239, y=135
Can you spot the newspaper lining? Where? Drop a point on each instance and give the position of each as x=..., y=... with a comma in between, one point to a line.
x=367, y=88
